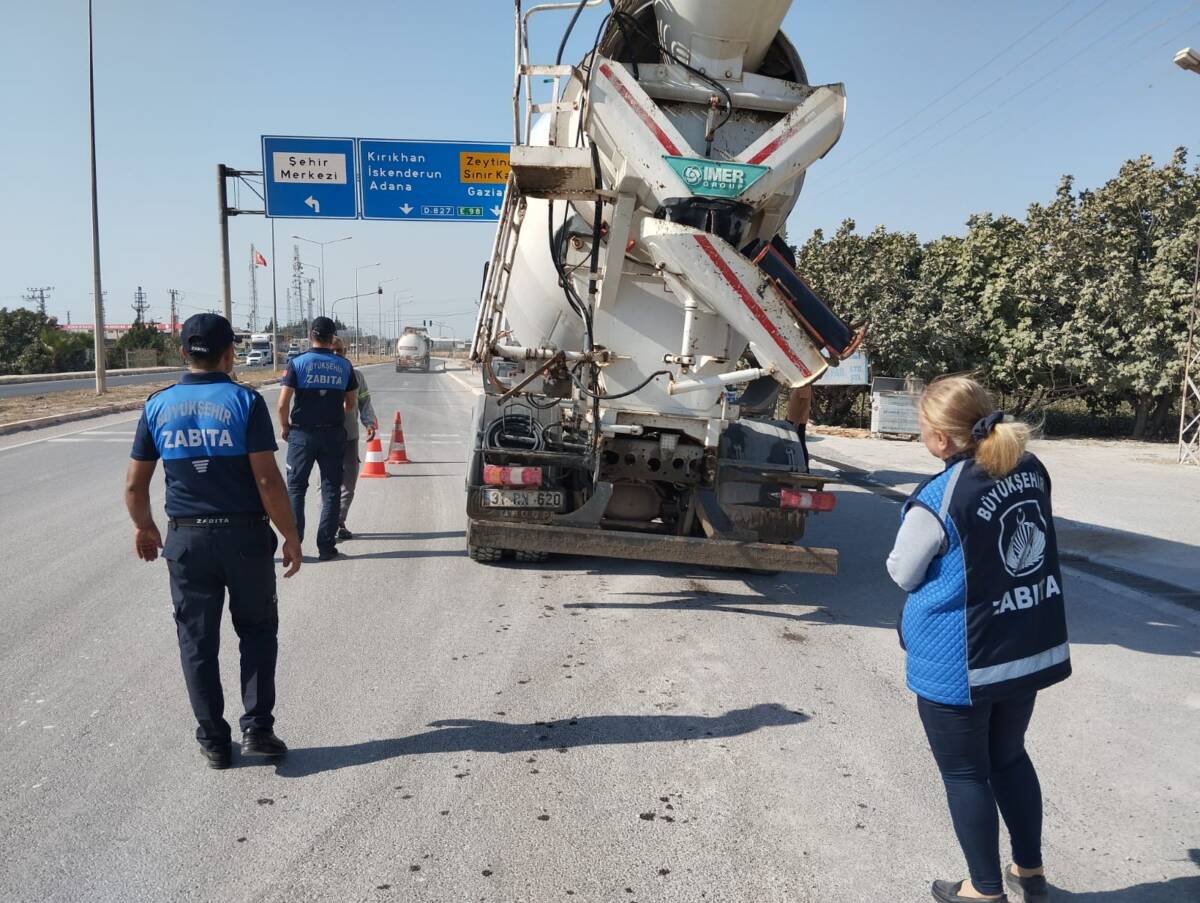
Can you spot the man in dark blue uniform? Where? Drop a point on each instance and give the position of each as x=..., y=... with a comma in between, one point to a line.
x=323, y=388
x=218, y=451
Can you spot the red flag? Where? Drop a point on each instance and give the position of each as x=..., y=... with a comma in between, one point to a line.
x=259, y=260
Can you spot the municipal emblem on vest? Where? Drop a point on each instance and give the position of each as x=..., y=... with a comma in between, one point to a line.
x=1023, y=538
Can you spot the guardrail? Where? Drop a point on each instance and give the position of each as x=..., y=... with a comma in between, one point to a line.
x=82, y=374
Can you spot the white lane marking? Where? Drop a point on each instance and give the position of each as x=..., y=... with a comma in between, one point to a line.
x=445, y=435
x=477, y=390
x=86, y=429
x=111, y=433
x=126, y=440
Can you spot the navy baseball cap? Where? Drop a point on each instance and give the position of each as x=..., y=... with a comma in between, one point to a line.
x=323, y=328
x=206, y=334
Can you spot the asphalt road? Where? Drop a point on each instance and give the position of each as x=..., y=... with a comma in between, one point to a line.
x=50, y=386
x=584, y=730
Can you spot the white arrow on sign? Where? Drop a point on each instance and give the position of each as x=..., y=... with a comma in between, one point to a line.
x=310, y=201
x=496, y=211
x=406, y=209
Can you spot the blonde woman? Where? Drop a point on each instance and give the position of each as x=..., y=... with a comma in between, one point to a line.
x=984, y=628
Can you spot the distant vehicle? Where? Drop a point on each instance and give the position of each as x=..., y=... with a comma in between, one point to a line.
x=412, y=350
x=294, y=352
x=260, y=345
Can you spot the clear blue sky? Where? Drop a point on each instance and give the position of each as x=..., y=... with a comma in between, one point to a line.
x=184, y=86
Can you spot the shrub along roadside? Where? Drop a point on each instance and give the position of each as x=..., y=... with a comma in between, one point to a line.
x=1084, y=301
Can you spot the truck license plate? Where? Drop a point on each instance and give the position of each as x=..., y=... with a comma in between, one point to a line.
x=522, y=498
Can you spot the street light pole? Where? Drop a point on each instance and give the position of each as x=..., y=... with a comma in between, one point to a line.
x=357, y=320
x=98, y=338
x=322, y=245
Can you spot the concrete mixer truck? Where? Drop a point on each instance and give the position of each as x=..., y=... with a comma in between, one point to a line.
x=638, y=283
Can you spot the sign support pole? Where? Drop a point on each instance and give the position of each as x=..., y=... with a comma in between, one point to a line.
x=223, y=212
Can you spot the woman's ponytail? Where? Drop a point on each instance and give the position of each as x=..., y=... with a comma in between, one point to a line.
x=1000, y=450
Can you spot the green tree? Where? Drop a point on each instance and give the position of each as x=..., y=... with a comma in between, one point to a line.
x=20, y=345
x=140, y=336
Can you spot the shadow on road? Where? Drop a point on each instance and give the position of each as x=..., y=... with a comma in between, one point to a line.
x=1176, y=890
x=447, y=534
x=862, y=593
x=409, y=553
x=471, y=735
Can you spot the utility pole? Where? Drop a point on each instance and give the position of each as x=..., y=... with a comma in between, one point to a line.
x=38, y=296
x=98, y=292
x=140, y=306
x=253, y=321
x=174, y=293
x=298, y=284
x=310, y=282
x=1189, y=403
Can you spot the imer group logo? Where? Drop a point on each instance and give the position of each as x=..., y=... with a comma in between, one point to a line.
x=715, y=178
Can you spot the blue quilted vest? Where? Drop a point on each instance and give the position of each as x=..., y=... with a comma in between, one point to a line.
x=988, y=622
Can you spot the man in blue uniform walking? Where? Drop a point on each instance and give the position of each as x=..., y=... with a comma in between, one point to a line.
x=218, y=451
x=323, y=388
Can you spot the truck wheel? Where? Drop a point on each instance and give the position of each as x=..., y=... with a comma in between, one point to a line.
x=485, y=554
x=531, y=557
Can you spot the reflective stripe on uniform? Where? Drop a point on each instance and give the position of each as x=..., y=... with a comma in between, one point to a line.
x=1022, y=667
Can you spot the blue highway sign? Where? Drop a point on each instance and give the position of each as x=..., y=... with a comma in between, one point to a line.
x=310, y=178
x=432, y=180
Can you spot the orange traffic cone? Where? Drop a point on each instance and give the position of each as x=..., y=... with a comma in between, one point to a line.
x=397, y=454
x=374, y=465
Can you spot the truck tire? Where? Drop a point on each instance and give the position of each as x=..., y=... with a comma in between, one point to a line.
x=531, y=557
x=485, y=554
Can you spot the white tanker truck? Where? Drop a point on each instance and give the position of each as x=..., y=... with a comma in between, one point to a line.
x=412, y=350
x=638, y=284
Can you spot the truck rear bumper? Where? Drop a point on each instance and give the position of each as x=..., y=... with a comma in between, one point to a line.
x=650, y=547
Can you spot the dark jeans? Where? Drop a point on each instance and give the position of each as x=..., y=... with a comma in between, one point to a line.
x=980, y=751
x=203, y=563
x=325, y=448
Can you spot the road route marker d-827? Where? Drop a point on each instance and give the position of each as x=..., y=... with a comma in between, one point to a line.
x=458, y=181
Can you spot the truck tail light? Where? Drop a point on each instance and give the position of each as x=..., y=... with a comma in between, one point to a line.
x=495, y=475
x=806, y=500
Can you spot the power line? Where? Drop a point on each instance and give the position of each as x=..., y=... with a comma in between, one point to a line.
x=1001, y=103
x=844, y=163
x=1042, y=48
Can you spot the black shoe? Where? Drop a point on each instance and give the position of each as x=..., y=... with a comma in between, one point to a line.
x=947, y=892
x=262, y=742
x=1027, y=890
x=328, y=554
x=343, y=533
x=218, y=757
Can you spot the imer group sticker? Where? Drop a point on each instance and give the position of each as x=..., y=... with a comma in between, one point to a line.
x=715, y=178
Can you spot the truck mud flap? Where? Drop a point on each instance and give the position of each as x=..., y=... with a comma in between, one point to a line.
x=627, y=544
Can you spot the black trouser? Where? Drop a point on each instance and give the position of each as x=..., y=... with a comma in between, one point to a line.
x=980, y=751
x=325, y=448
x=203, y=563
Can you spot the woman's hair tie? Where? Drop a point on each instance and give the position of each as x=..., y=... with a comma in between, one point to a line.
x=984, y=425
